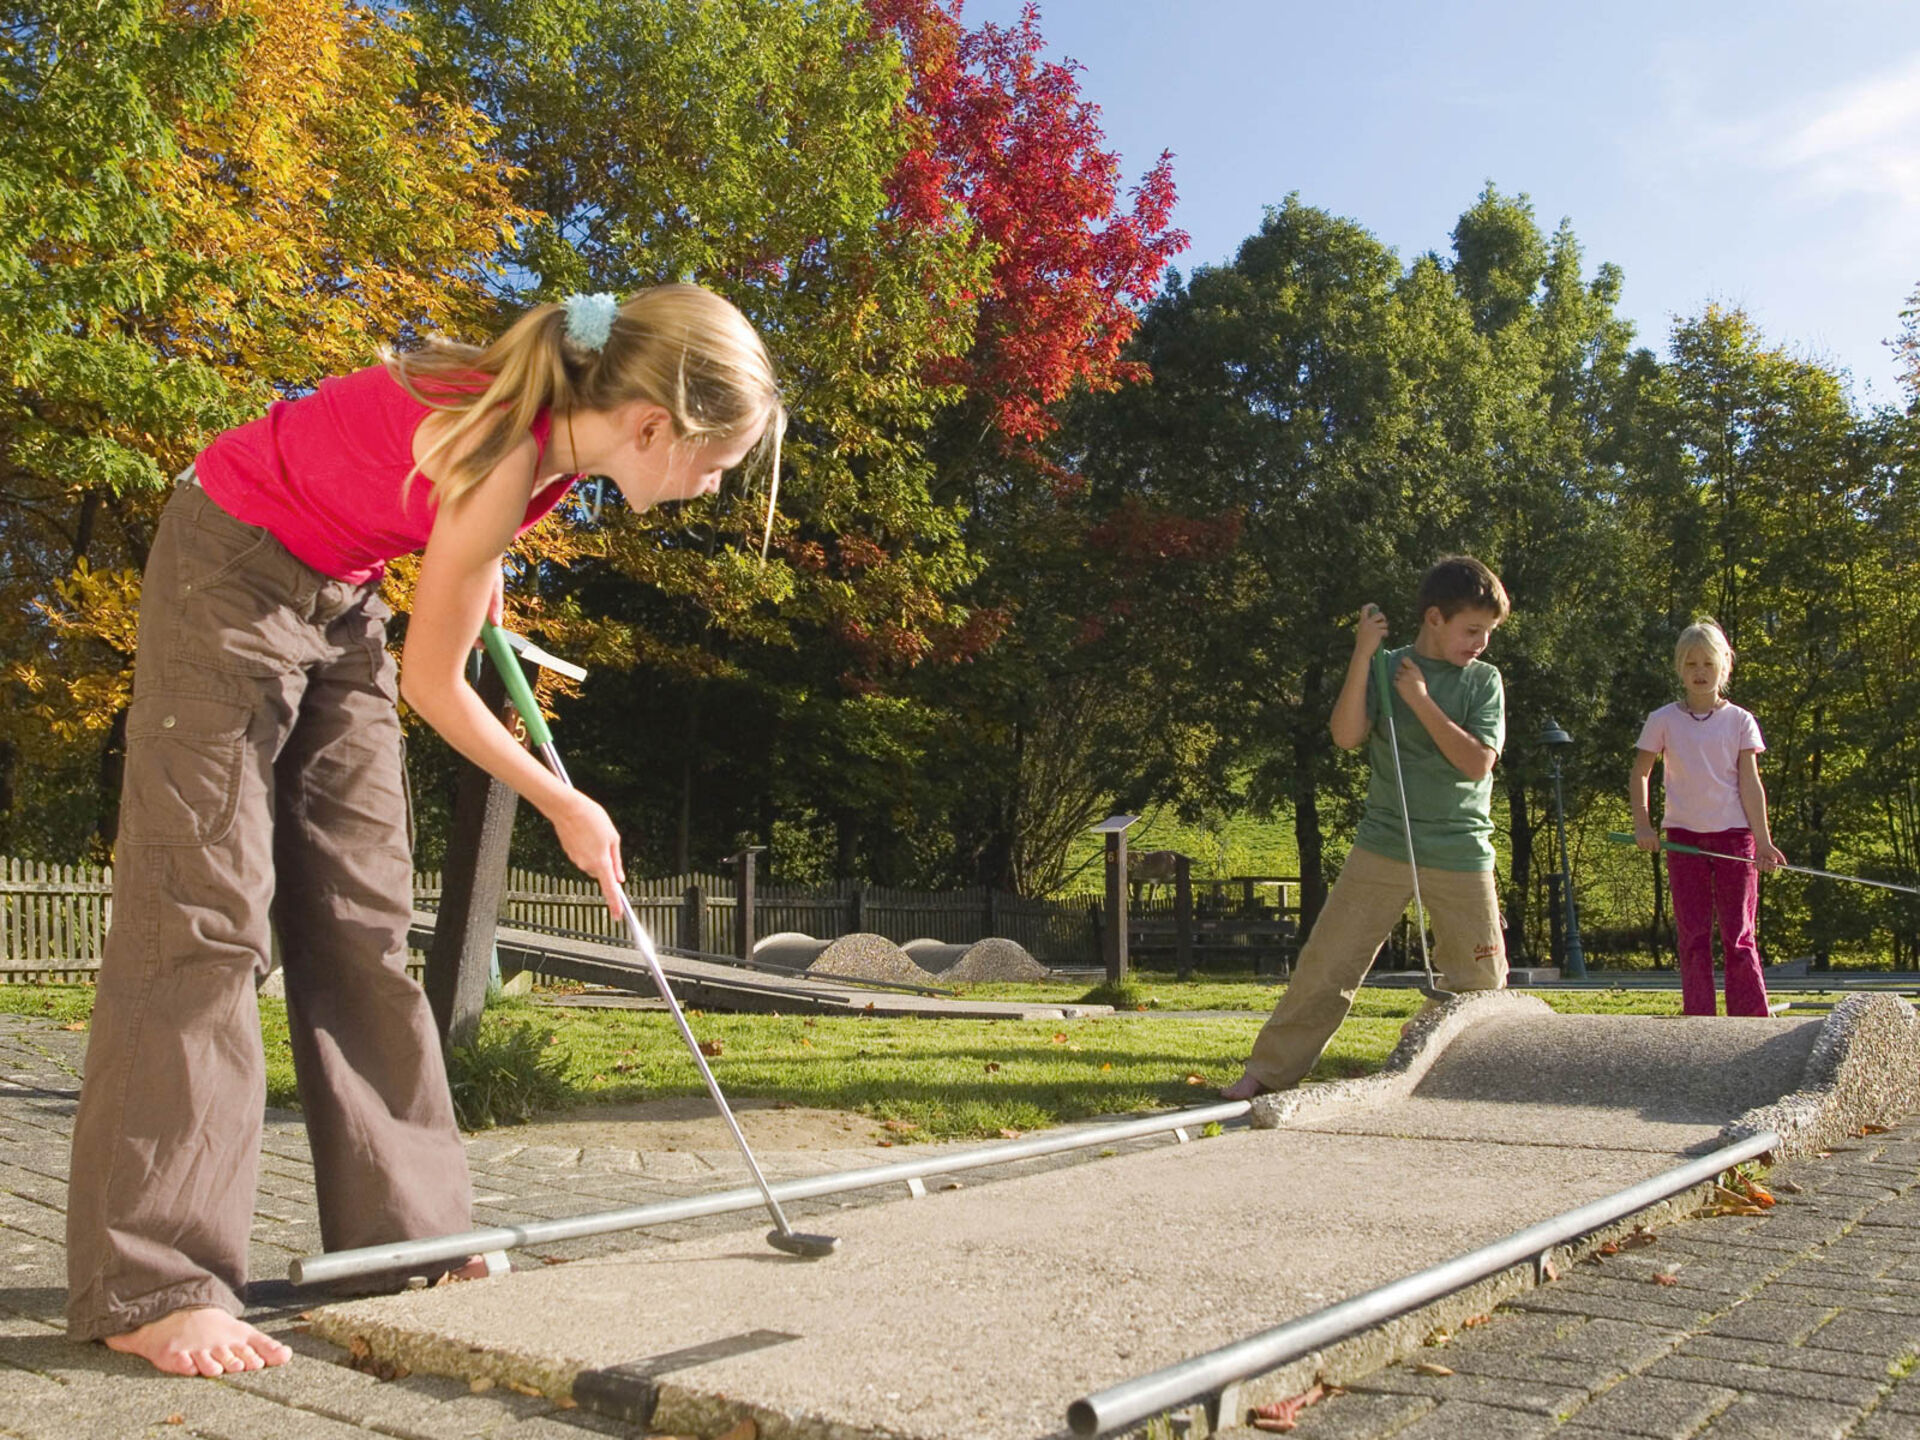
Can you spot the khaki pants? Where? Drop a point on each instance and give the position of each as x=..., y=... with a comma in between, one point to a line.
x=263, y=786
x=1366, y=902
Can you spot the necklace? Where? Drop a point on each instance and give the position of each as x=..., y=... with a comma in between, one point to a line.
x=1699, y=719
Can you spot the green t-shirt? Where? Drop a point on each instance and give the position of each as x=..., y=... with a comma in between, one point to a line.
x=1452, y=815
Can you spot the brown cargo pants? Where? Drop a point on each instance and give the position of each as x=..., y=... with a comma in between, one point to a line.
x=1366, y=902
x=263, y=787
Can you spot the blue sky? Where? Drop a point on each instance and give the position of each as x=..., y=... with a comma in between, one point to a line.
x=1764, y=154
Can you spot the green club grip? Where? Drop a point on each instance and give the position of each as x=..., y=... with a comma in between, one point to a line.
x=521, y=693
x=1381, y=683
x=1621, y=837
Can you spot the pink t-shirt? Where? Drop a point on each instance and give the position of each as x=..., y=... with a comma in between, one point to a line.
x=1701, y=759
x=327, y=475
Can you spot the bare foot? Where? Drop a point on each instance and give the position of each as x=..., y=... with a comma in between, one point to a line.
x=480, y=1267
x=1245, y=1088
x=201, y=1341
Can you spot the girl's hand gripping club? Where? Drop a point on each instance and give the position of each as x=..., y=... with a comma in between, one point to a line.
x=1383, y=685
x=783, y=1236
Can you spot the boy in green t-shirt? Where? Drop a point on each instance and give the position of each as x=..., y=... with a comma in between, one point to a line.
x=1450, y=712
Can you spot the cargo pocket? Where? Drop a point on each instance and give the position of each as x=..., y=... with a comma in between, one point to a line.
x=185, y=755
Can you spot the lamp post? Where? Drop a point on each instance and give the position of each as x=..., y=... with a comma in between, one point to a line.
x=1574, y=963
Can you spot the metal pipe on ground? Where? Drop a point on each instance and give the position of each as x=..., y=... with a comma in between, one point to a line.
x=380, y=1259
x=1207, y=1375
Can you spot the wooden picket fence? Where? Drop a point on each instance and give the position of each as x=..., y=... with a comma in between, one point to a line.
x=54, y=918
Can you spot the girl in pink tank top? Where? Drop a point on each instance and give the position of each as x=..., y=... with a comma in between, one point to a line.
x=263, y=795
x=1709, y=749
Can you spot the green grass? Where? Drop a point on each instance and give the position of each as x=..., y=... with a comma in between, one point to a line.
x=947, y=1079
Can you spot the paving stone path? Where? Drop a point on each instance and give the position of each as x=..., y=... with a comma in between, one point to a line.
x=1803, y=1323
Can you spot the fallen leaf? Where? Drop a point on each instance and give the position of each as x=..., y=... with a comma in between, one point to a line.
x=479, y=1385
x=1284, y=1415
x=175, y=1420
x=899, y=1127
x=1474, y=1322
x=712, y=1048
x=1107, y=1066
x=1608, y=1248
x=1549, y=1271
x=1430, y=1367
x=1863, y=1130
x=520, y=1387
x=78, y=1025
x=1193, y=1079
x=992, y=1065
x=1006, y=1134
x=1660, y=1277
x=1059, y=1037
x=745, y=1430
x=1638, y=1240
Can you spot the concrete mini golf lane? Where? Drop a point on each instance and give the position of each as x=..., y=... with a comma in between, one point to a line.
x=982, y=1312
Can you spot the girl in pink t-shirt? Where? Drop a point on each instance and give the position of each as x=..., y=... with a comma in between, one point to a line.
x=264, y=798
x=1710, y=749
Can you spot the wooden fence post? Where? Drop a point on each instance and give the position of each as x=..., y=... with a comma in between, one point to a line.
x=1183, y=916
x=460, y=962
x=693, y=918
x=743, y=900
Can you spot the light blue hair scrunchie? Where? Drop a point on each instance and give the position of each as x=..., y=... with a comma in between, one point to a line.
x=590, y=319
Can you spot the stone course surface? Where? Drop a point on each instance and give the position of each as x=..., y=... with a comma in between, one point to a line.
x=1803, y=1322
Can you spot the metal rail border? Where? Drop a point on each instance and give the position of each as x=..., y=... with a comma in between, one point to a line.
x=378, y=1259
x=1206, y=1376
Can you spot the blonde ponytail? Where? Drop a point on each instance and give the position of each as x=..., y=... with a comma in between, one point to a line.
x=680, y=347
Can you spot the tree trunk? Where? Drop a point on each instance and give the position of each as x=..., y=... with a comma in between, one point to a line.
x=1520, y=857
x=1307, y=837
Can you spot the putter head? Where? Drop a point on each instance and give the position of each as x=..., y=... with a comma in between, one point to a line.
x=807, y=1247
x=1435, y=993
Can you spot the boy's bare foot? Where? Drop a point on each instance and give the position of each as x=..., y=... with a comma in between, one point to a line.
x=201, y=1341
x=1245, y=1088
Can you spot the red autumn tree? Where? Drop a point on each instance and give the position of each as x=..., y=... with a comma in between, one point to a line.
x=1005, y=138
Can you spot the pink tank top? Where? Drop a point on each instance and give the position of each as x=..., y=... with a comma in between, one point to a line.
x=327, y=475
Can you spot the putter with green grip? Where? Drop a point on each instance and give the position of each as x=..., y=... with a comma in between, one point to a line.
x=1429, y=987
x=1621, y=837
x=783, y=1236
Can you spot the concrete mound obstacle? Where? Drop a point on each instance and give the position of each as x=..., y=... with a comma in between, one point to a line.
x=981, y=960
x=859, y=956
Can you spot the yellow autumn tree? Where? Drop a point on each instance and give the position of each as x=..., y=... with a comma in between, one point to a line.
x=202, y=206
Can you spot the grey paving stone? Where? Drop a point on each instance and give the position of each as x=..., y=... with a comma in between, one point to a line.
x=1884, y=1425
x=1904, y=1398
x=1627, y=1345
x=1868, y=1332
x=1661, y=1409
x=1654, y=1312
x=1586, y=1377
x=1453, y=1420
x=1357, y=1417
x=1865, y=1365
x=1767, y=1417
x=1852, y=1390
x=1768, y=1320
x=1497, y=1392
